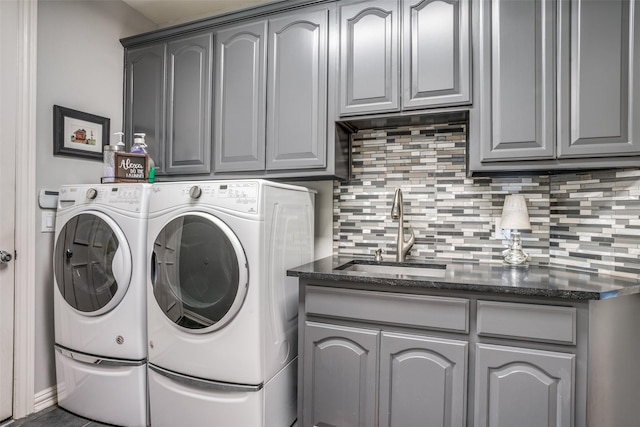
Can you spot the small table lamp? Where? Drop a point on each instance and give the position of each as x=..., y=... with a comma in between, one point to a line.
x=515, y=217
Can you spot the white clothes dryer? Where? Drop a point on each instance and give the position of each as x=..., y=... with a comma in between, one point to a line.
x=100, y=302
x=222, y=314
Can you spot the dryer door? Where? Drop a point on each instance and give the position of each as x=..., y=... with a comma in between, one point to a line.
x=92, y=263
x=199, y=272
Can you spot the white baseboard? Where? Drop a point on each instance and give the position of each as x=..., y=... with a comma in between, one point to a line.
x=45, y=398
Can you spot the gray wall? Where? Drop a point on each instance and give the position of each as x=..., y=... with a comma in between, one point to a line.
x=80, y=66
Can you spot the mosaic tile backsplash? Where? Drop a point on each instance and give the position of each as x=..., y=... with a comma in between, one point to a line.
x=589, y=221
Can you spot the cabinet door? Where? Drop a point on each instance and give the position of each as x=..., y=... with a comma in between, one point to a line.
x=600, y=83
x=240, y=98
x=369, y=50
x=188, y=145
x=340, y=371
x=523, y=387
x=517, y=80
x=145, y=99
x=422, y=381
x=297, y=91
x=436, y=65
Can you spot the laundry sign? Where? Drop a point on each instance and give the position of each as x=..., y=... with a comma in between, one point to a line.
x=131, y=167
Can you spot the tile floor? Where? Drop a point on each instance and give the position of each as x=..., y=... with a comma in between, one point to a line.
x=54, y=417
x=58, y=417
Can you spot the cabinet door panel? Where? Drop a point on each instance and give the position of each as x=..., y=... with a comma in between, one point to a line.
x=145, y=98
x=597, y=75
x=340, y=366
x=523, y=387
x=518, y=80
x=188, y=148
x=422, y=381
x=436, y=64
x=369, y=51
x=297, y=91
x=240, y=98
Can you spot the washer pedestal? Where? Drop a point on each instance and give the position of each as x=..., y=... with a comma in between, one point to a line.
x=103, y=390
x=199, y=403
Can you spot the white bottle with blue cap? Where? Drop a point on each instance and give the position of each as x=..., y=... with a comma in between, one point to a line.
x=140, y=147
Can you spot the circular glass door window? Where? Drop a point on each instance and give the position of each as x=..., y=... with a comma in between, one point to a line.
x=199, y=272
x=92, y=263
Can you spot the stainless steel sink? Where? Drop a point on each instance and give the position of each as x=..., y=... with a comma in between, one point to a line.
x=422, y=270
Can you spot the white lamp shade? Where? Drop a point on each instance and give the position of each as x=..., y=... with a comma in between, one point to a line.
x=514, y=213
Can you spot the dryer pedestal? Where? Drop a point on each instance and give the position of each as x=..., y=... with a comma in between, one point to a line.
x=101, y=389
x=179, y=400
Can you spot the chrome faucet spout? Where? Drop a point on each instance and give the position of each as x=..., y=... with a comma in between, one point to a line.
x=397, y=212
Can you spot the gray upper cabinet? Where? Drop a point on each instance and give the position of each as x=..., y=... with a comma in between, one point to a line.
x=168, y=97
x=240, y=97
x=297, y=90
x=523, y=387
x=517, y=79
x=247, y=94
x=436, y=63
x=413, y=54
x=369, y=51
x=189, y=75
x=556, y=85
x=600, y=86
x=144, y=98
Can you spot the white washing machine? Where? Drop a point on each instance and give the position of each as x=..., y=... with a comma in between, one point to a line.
x=100, y=302
x=222, y=314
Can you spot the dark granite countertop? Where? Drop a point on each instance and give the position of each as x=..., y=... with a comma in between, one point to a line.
x=534, y=280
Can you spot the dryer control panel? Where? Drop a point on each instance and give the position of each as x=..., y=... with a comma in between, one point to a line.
x=239, y=196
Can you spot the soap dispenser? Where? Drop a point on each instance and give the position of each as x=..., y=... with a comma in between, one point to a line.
x=120, y=143
x=140, y=147
x=109, y=165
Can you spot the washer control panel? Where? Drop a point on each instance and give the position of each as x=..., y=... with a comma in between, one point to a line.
x=127, y=197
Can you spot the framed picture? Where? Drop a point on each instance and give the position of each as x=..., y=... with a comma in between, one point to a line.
x=78, y=134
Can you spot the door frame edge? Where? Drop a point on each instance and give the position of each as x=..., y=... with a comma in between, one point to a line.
x=25, y=225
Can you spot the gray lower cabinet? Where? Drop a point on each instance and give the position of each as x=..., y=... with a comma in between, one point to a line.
x=373, y=354
x=412, y=54
x=168, y=97
x=379, y=365
x=391, y=359
x=556, y=85
x=400, y=379
x=343, y=361
x=423, y=381
x=523, y=387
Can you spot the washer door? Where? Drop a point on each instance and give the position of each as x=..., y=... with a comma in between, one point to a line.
x=92, y=263
x=198, y=272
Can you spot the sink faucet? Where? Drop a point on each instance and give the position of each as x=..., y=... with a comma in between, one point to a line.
x=403, y=246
